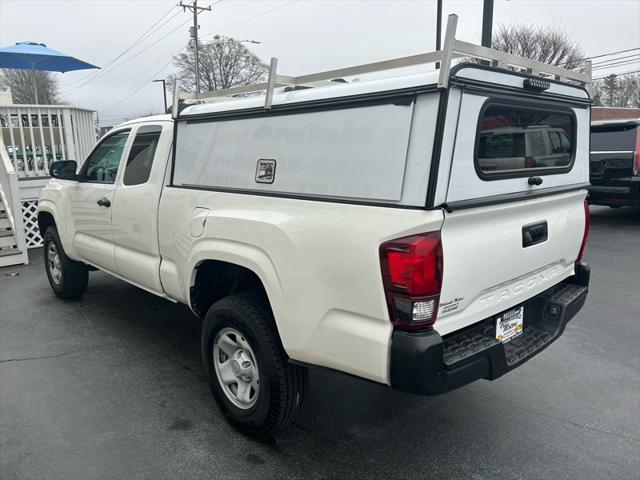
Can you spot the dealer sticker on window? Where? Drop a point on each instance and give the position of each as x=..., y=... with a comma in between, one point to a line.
x=509, y=324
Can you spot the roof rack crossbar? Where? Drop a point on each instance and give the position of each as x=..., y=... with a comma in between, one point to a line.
x=451, y=50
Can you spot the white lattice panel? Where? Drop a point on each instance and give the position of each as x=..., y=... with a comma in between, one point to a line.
x=30, y=217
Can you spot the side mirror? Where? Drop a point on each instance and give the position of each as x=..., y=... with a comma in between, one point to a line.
x=64, y=170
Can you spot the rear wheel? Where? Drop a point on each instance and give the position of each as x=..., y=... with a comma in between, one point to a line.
x=255, y=386
x=67, y=278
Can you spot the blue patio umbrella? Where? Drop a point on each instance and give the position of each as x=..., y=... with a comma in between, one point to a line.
x=36, y=56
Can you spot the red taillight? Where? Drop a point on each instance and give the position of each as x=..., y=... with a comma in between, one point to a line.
x=586, y=231
x=636, y=155
x=412, y=277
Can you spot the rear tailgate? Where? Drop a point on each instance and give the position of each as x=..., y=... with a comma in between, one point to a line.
x=506, y=237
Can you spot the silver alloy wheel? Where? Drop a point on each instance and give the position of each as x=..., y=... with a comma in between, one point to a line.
x=53, y=261
x=236, y=368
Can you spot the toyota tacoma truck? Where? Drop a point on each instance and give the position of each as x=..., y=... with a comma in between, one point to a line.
x=403, y=230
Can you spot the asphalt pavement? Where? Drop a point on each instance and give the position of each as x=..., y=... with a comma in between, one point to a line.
x=112, y=387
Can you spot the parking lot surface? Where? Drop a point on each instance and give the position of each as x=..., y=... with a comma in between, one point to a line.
x=112, y=387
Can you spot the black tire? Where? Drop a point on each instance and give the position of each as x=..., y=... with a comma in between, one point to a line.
x=282, y=385
x=72, y=283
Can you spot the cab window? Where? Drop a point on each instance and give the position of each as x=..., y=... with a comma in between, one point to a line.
x=141, y=155
x=102, y=164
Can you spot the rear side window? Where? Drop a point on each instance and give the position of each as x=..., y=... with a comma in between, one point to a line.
x=141, y=155
x=613, y=139
x=516, y=140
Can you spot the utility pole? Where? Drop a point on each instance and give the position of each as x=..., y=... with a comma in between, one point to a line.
x=194, y=9
x=487, y=23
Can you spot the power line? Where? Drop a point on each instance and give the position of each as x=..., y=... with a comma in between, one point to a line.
x=613, y=62
x=617, y=74
x=152, y=44
x=615, y=59
x=127, y=60
x=597, y=56
x=623, y=64
x=619, y=64
x=149, y=32
x=137, y=89
x=266, y=12
x=142, y=37
x=616, y=64
x=611, y=53
x=117, y=85
x=138, y=53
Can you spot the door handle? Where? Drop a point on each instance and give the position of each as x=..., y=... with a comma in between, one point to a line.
x=534, y=233
x=537, y=181
x=104, y=202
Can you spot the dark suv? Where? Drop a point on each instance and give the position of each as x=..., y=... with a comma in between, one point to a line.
x=615, y=163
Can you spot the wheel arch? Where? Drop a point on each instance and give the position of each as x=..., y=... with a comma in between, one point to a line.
x=215, y=276
x=215, y=279
x=45, y=220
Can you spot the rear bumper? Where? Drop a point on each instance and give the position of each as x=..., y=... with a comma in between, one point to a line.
x=626, y=194
x=428, y=364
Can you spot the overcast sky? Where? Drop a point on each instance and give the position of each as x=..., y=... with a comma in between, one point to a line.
x=305, y=35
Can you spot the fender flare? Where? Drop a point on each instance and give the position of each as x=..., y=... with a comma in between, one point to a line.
x=48, y=206
x=249, y=257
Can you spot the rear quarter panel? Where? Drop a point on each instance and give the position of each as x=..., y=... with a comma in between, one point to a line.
x=318, y=262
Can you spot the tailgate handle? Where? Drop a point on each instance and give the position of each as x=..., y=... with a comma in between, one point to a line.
x=534, y=233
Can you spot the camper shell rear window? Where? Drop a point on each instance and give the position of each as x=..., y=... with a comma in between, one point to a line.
x=515, y=140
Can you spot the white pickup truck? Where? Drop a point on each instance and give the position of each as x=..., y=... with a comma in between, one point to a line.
x=351, y=226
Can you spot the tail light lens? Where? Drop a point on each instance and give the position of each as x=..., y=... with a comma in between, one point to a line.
x=412, y=277
x=586, y=231
x=636, y=155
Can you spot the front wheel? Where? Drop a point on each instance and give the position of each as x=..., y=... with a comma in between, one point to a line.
x=67, y=278
x=255, y=386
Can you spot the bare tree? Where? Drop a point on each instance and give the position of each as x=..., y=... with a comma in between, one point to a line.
x=617, y=91
x=224, y=63
x=544, y=44
x=21, y=84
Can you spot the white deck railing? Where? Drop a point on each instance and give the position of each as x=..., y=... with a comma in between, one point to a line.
x=10, y=195
x=36, y=135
